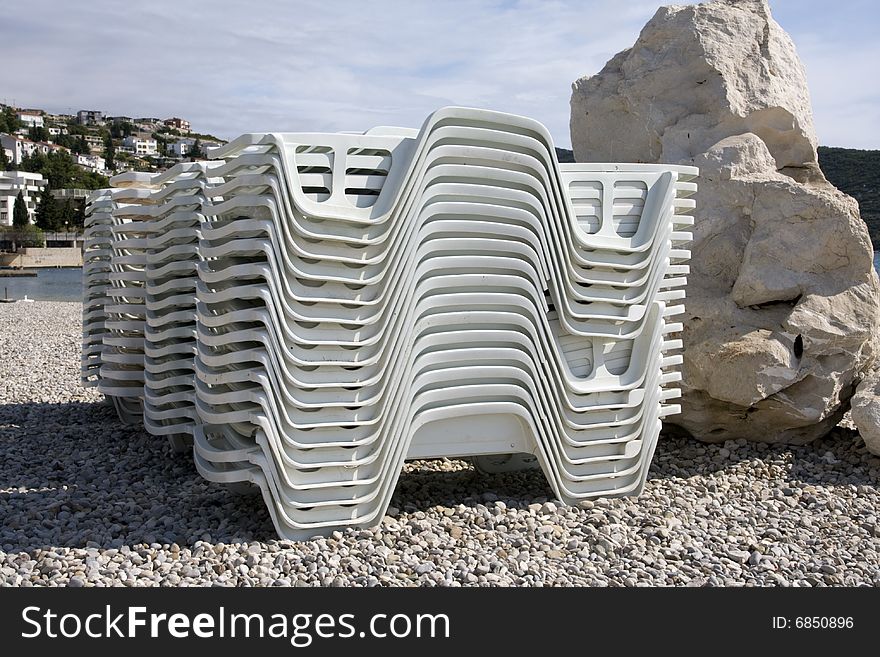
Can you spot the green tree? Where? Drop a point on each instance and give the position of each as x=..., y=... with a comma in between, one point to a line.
x=52, y=167
x=109, y=153
x=19, y=211
x=47, y=211
x=33, y=236
x=63, y=140
x=76, y=143
x=9, y=120
x=120, y=129
x=161, y=143
x=60, y=171
x=38, y=133
x=4, y=161
x=74, y=128
x=195, y=151
x=79, y=214
x=67, y=216
x=28, y=235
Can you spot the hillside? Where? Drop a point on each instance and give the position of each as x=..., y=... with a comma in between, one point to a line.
x=564, y=155
x=856, y=173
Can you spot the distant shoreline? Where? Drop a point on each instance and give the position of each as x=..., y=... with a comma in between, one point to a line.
x=15, y=273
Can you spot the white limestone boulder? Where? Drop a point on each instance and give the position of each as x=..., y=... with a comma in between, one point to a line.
x=783, y=305
x=866, y=411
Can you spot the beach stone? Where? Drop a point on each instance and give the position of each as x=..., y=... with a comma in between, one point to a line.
x=783, y=303
x=804, y=509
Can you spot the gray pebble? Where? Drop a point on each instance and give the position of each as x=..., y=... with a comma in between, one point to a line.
x=88, y=500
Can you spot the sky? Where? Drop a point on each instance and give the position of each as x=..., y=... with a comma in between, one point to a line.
x=316, y=65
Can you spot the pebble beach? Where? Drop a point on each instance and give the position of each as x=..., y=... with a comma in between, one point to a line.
x=88, y=501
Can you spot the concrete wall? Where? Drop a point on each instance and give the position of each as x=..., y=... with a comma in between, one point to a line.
x=34, y=257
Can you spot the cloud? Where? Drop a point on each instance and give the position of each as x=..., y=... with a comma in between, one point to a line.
x=232, y=67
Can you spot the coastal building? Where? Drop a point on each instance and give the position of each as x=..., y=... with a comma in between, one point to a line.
x=90, y=117
x=31, y=118
x=96, y=143
x=13, y=182
x=182, y=147
x=58, y=118
x=178, y=124
x=135, y=163
x=178, y=148
x=70, y=193
x=140, y=145
x=20, y=148
x=55, y=130
x=94, y=162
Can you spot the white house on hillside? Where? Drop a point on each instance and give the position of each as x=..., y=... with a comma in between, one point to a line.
x=141, y=145
x=182, y=147
x=96, y=144
x=22, y=148
x=31, y=118
x=13, y=182
x=94, y=162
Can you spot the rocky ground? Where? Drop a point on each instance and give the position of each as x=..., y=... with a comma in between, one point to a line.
x=85, y=500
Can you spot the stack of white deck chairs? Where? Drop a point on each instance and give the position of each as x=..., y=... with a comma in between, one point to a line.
x=308, y=310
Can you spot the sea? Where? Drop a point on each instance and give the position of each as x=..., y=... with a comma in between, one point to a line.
x=65, y=284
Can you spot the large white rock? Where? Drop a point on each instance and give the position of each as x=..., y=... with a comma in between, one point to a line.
x=783, y=304
x=866, y=411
